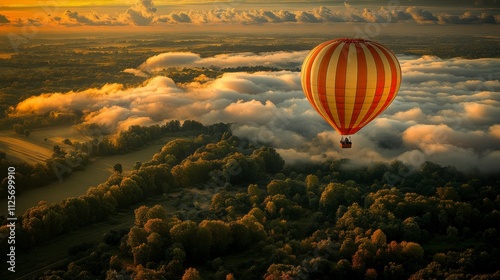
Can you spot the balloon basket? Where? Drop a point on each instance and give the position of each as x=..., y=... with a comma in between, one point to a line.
x=345, y=145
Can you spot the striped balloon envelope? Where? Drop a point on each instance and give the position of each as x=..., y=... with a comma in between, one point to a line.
x=350, y=82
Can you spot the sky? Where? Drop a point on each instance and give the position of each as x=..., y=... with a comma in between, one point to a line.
x=111, y=15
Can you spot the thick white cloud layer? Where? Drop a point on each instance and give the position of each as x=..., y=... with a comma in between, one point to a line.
x=181, y=59
x=447, y=110
x=144, y=13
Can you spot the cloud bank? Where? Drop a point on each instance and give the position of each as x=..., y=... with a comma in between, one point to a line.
x=182, y=59
x=447, y=110
x=3, y=19
x=144, y=13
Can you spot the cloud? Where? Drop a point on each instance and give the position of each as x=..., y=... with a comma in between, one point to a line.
x=479, y=113
x=3, y=19
x=108, y=117
x=136, y=72
x=469, y=18
x=26, y=22
x=142, y=13
x=447, y=110
x=145, y=13
x=495, y=131
x=187, y=59
x=414, y=114
x=69, y=18
x=421, y=16
x=170, y=59
x=252, y=111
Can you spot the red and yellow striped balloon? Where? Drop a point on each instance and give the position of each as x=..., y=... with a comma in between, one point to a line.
x=350, y=82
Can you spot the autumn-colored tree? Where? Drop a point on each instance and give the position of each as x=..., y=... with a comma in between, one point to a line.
x=276, y=187
x=156, y=244
x=191, y=274
x=445, y=193
x=156, y=212
x=195, y=240
x=158, y=226
x=141, y=254
x=220, y=236
x=335, y=195
x=132, y=193
x=136, y=236
x=312, y=183
x=371, y=274
x=411, y=230
x=140, y=215
x=190, y=172
x=378, y=238
x=272, y=160
x=240, y=236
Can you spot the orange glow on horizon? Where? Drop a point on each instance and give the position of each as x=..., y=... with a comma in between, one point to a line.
x=52, y=3
x=96, y=3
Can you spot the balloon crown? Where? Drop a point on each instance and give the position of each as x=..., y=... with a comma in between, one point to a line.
x=352, y=40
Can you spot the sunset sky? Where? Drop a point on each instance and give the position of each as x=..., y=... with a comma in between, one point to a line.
x=464, y=16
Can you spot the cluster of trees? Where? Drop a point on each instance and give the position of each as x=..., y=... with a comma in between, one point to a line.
x=27, y=175
x=173, y=166
x=155, y=238
x=136, y=137
x=20, y=124
x=266, y=220
x=186, y=75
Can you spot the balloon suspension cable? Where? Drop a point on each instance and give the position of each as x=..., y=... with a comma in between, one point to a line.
x=345, y=139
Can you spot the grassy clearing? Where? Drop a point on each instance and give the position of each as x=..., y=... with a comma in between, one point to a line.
x=37, y=147
x=21, y=148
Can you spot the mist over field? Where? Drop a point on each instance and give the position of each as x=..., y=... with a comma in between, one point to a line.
x=447, y=110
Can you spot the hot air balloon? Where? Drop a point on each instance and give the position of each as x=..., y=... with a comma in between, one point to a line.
x=350, y=82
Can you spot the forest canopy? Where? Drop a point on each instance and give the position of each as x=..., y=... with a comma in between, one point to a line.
x=229, y=209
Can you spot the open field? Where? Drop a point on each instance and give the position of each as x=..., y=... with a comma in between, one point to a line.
x=18, y=149
x=37, y=147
